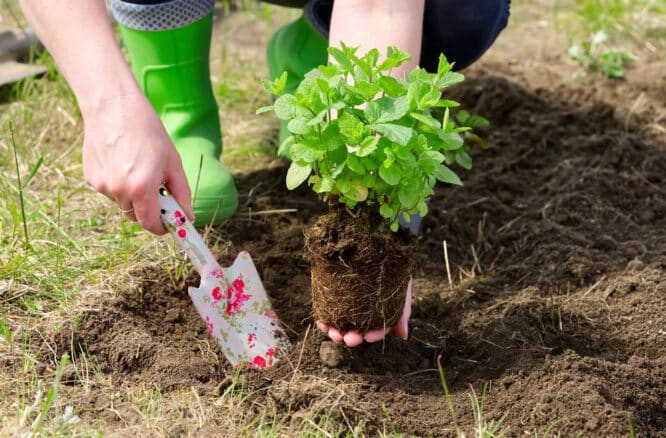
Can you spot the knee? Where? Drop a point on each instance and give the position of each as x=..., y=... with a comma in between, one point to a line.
x=461, y=29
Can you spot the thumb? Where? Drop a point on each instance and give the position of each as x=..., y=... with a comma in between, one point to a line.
x=178, y=187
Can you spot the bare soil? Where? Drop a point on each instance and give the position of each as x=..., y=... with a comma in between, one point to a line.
x=557, y=244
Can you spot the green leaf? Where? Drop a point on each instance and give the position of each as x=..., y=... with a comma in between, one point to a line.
x=426, y=120
x=477, y=122
x=464, y=160
x=283, y=150
x=446, y=175
x=408, y=196
x=337, y=160
x=443, y=66
x=367, y=90
x=305, y=153
x=451, y=140
x=450, y=78
x=391, y=175
x=264, y=109
x=445, y=103
x=277, y=86
x=369, y=180
x=351, y=128
x=397, y=133
x=423, y=208
x=430, y=99
x=33, y=172
x=416, y=92
x=331, y=137
x=286, y=107
x=387, y=109
x=394, y=58
x=357, y=191
x=367, y=146
x=355, y=164
x=386, y=211
x=324, y=185
x=299, y=127
x=319, y=118
x=297, y=174
x=391, y=86
x=395, y=225
x=341, y=58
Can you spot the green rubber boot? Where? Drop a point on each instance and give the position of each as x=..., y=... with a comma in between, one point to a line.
x=172, y=68
x=295, y=48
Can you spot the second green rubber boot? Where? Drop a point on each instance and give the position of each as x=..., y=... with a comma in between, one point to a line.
x=172, y=68
x=295, y=48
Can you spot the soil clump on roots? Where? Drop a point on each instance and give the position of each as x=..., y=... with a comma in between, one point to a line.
x=360, y=270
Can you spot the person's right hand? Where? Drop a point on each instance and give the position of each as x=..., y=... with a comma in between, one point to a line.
x=127, y=154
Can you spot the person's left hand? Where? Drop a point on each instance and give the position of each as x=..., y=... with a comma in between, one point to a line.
x=354, y=338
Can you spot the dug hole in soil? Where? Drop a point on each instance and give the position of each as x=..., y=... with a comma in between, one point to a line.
x=557, y=245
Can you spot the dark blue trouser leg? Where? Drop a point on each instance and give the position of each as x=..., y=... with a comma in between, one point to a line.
x=461, y=29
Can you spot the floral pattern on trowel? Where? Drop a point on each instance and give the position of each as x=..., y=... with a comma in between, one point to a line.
x=232, y=301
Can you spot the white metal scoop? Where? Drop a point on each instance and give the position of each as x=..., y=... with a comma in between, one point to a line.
x=232, y=301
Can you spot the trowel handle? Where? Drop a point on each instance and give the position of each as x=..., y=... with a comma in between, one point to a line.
x=187, y=237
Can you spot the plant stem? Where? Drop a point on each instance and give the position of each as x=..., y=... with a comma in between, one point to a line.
x=20, y=186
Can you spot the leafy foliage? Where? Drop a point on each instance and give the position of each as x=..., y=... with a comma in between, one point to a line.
x=593, y=55
x=360, y=135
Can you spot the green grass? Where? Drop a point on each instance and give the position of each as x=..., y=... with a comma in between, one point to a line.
x=631, y=25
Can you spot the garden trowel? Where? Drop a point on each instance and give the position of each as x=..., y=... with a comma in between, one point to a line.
x=232, y=301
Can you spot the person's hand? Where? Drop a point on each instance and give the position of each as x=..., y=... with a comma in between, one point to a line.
x=127, y=154
x=355, y=338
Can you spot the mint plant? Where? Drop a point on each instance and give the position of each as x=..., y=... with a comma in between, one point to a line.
x=359, y=135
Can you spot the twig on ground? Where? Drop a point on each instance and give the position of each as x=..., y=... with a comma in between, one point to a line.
x=446, y=261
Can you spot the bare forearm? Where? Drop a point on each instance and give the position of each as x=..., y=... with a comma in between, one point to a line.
x=79, y=36
x=379, y=24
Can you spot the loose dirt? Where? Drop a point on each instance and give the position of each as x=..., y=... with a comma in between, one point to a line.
x=557, y=245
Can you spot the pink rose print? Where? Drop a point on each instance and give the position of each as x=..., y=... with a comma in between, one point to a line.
x=258, y=362
x=182, y=233
x=217, y=293
x=239, y=284
x=270, y=352
x=209, y=325
x=251, y=340
x=236, y=298
x=217, y=273
x=180, y=218
x=271, y=315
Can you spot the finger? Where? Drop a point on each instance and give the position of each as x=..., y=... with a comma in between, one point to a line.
x=353, y=339
x=147, y=212
x=323, y=327
x=178, y=186
x=335, y=335
x=401, y=329
x=376, y=335
x=127, y=210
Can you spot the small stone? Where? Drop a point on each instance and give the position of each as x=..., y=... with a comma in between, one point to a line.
x=172, y=315
x=331, y=354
